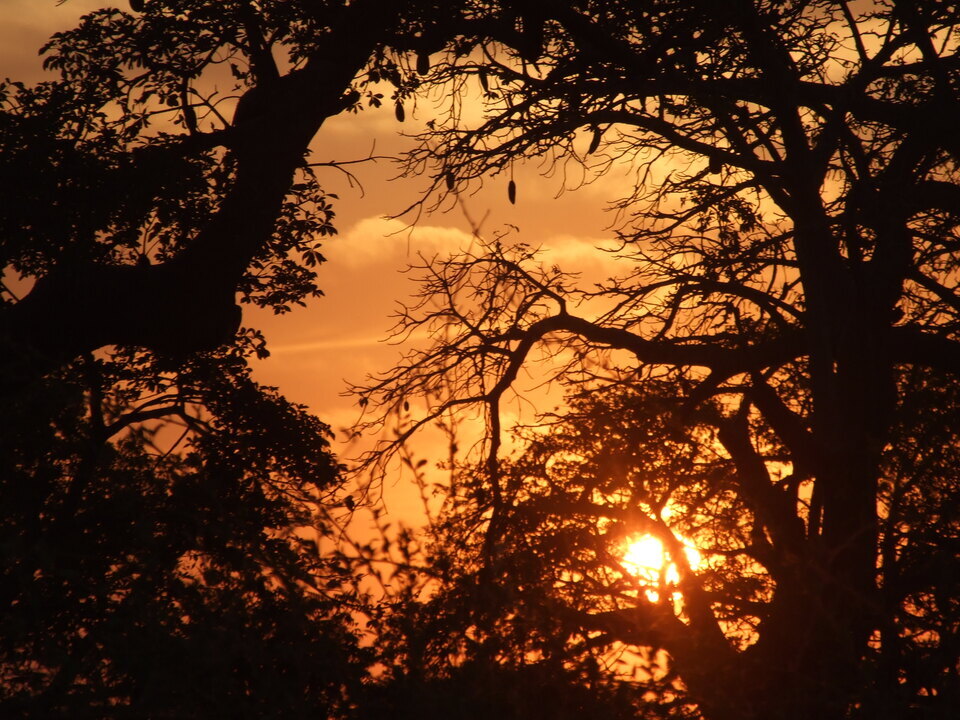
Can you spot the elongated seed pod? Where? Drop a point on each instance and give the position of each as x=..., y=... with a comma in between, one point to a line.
x=399, y=112
x=423, y=63
x=512, y=192
x=594, y=141
x=189, y=114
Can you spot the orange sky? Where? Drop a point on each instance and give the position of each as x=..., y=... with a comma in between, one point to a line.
x=339, y=337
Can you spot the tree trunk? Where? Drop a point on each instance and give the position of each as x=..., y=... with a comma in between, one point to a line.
x=188, y=303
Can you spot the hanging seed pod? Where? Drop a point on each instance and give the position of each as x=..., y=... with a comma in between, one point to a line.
x=484, y=83
x=715, y=165
x=512, y=192
x=136, y=5
x=399, y=112
x=189, y=114
x=189, y=118
x=594, y=141
x=423, y=63
x=448, y=178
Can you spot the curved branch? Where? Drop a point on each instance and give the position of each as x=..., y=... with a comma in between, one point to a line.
x=723, y=360
x=81, y=307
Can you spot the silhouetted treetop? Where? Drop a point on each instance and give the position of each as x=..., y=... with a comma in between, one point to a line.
x=167, y=163
x=786, y=293
x=769, y=374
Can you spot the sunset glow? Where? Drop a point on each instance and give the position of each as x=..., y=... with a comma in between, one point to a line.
x=646, y=559
x=645, y=555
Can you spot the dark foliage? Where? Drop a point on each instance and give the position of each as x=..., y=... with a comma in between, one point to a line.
x=755, y=378
x=159, y=525
x=143, y=578
x=772, y=377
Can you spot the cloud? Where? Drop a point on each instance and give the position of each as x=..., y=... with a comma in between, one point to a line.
x=571, y=252
x=340, y=343
x=379, y=241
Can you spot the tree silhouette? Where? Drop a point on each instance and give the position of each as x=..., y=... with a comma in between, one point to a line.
x=181, y=217
x=152, y=491
x=144, y=579
x=136, y=179
x=159, y=507
x=771, y=379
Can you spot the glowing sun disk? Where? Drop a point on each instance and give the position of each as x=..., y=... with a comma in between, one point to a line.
x=645, y=558
x=645, y=553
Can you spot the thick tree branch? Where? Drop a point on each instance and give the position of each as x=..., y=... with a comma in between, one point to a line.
x=790, y=427
x=771, y=507
x=911, y=346
x=723, y=360
x=81, y=307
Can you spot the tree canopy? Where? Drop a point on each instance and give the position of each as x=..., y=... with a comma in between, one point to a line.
x=771, y=377
x=749, y=384
x=161, y=509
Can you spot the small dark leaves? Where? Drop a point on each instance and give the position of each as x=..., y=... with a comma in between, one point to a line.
x=211, y=576
x=512, y=192
x=349, y=98
x=312, y=258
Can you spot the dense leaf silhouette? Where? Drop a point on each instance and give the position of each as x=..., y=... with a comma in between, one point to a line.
x=755, y=381
x=147, y=580
x=771, y=377
x=159, y=506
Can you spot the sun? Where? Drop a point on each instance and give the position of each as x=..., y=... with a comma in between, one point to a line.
x=644, y=554
x=647, y=561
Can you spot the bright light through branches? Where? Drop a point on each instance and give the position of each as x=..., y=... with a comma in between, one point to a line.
x=646, y=560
